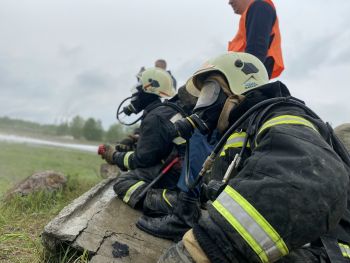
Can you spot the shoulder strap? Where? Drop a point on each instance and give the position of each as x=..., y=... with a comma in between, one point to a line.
x=333, y=250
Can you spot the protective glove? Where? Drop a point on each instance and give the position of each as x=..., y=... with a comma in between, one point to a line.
x=107, y=152
x=127, y=144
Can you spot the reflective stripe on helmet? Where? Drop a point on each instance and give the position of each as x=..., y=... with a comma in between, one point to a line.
x=236, y=140
x=131, y=190
x=166, y=198
x=251, y=225
x=345, y=250
x=126, y=159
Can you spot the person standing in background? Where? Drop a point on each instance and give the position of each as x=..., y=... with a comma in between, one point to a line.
x=161, y=63
x=258, y=33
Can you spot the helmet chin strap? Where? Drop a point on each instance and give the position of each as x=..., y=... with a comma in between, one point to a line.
x=231, y=102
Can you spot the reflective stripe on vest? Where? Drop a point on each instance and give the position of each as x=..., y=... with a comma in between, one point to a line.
x=236, y=140
x=178, y=140
x=126, y=159
x=166, y=198
x=251, y=225
x=287, y=119
x=131, y=190
x=239, y=42
x=345, y=250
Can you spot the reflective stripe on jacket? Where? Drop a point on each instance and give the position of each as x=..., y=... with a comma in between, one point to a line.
x=345, y=250
x=251, y=225
x=236, y=140
x=241, y=215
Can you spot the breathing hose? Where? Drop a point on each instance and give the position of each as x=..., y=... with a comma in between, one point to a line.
x=274, y=101
x=119, y=112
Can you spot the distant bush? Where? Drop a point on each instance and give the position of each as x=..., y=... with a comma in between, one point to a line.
x=79, y=128
x=76, y=127
x=93, y=130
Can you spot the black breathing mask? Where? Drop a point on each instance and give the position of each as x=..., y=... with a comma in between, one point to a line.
x=206, y=112
x=209, y=105
x=139, y=101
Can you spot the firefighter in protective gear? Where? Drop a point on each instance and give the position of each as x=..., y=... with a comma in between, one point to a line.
x=211, y=112
x=288, y=190
x=155, y=146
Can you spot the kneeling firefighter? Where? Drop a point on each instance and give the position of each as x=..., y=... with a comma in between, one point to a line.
x=278, y=182
x=156, y=149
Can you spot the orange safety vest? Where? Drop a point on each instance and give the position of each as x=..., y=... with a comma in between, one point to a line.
x=239, y=42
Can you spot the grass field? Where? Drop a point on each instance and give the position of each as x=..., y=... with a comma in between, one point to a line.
x=22, y=219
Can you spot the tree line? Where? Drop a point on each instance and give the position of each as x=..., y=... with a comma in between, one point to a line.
x=79, y=128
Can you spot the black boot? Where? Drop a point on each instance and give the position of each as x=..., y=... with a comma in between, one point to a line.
x=159, y=202
x=173, y=226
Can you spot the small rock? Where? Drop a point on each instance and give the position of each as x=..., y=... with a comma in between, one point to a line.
x=40, y=181
x=343, y=133
x=107, y=170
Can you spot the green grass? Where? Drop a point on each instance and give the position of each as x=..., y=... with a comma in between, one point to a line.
x=22, y=219
x=18, y=161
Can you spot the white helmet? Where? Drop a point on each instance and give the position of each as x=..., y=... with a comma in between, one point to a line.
x=157, y=81
x=243, y=72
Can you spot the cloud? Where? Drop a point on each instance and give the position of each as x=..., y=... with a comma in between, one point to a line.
x=92, y=80
x=325, y=91
x=84, y=57
x=70, y=51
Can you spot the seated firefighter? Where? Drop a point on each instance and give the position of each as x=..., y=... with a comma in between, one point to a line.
x=156, y=147
x=284, y=189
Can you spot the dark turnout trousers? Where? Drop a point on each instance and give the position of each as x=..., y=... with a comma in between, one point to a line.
x=131, y=183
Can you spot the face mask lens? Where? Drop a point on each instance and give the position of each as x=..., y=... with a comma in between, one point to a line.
x=209, y=106
x=208, y=95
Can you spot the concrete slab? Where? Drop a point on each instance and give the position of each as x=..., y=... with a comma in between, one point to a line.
x=97, y=220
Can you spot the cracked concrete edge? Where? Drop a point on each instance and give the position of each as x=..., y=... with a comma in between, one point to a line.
x=52, y=236
x=103, y=238
x=77, y=245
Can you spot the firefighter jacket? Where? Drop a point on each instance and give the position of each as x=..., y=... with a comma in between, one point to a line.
x=259, y=35
x=156, y=140
x=290, y=188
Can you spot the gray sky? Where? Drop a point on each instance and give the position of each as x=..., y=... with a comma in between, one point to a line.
x=61, y=58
